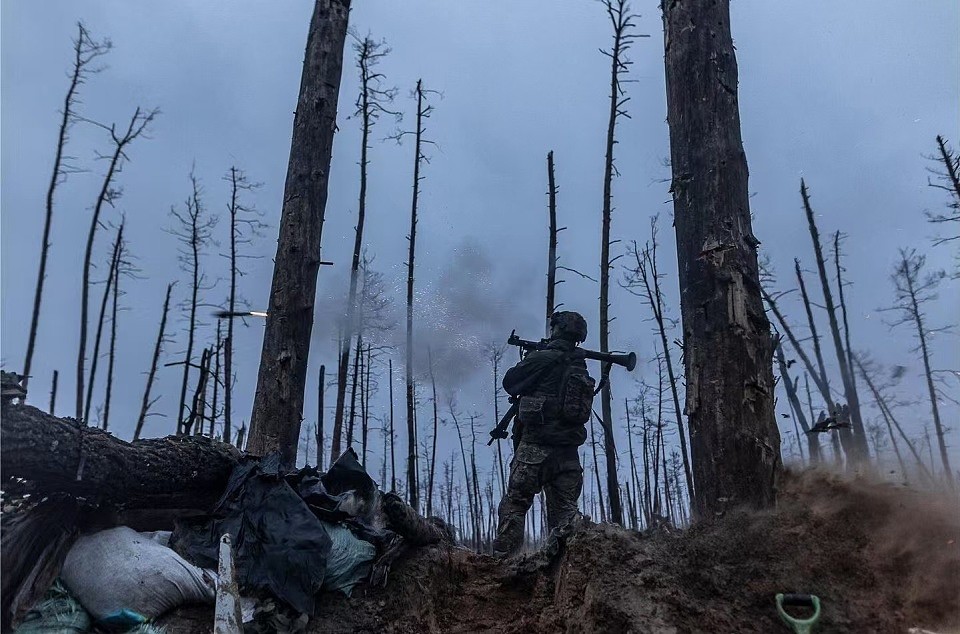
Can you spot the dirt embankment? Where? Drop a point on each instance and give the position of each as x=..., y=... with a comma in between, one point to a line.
x=881, y=558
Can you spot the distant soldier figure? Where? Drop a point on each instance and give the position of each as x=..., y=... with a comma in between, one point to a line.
x=555, y=394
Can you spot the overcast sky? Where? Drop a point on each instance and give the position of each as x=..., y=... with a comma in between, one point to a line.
x=847, y=94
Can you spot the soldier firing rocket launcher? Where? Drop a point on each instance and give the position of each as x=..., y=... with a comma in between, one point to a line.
x=629, y=361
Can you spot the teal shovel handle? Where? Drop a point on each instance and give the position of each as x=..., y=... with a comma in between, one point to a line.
x=799, y=626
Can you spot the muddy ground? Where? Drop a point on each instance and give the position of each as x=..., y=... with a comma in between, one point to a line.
x=882, y=558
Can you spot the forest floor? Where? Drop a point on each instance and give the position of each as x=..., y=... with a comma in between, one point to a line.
x=882, y=558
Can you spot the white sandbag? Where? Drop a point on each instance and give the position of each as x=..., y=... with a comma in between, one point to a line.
x=119, y=569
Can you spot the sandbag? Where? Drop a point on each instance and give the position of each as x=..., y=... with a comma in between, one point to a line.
x=349, y=561
x=120, y=569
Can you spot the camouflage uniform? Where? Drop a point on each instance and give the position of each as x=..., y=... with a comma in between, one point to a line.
x=546, y=456
x=554, y=470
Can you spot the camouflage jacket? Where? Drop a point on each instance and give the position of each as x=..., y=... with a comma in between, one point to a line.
x=539, y=376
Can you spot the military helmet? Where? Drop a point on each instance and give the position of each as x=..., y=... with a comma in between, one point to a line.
x=566, y=324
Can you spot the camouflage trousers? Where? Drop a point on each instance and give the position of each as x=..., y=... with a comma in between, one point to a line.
x=554, y=470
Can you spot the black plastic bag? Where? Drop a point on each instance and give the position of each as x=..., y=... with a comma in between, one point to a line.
x=281, y=546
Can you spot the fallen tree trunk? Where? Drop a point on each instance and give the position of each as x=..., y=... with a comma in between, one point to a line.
x=61, y=455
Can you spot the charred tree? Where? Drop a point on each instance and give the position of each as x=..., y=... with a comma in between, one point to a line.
x=371, y=103
x=278, y=401
x=147, y=402
x=551, y=247
x=815, y=338
x=101, y=319
x=891, y=420
x=85, y=52
x=947, y=173
x=596, y=468
x=393, y=436
x=108, y=195
x=193, y=230
x=621, y=19
x=647, y=275
x=351, y=421
x=913, y=288
x=431, y=471
x=53, y=392
x=846, y=372
x=321, y=387
x=423, y=112
x=112, y=352
x=813, y=442
x=217, y=348
x=727, y=347
x=244, y=225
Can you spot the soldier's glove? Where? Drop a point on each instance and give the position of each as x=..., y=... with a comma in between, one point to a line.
x=499, y=434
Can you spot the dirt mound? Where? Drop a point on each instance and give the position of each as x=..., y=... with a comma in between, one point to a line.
x=881, y=558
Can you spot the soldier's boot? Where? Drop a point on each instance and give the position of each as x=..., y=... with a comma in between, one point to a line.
x=509, y=536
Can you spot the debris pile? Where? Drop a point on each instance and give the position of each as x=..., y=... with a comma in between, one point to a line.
x=293, y=538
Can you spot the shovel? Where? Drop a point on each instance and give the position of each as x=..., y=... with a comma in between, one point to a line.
x=798, y=625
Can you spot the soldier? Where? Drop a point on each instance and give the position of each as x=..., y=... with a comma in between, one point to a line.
x=556, y=396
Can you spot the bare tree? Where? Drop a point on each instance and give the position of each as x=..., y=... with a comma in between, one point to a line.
x=53, y=392
x=552, y=244
x=193, y=230
x=371, y=103
x=278, y=401
x=393, y=437
x=436, y=428
x=813, y=442
x=123, y=266
x=647, y=275
x=495, y=354
x=727, y=347
x=424, y=111
x=101, y=320
x=947, y=174
x=214, y=413
x=244, y=225
x=862, y=452
x=85, y=52
x=887, y=414
x=321, y=387
x=914, y=287
x=147, y=403
x=622, y=21
x=108, y=195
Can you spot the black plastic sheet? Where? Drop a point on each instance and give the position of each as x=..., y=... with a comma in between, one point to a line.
x=281, y=546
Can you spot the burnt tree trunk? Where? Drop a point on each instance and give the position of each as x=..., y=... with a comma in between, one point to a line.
x=728, y=350
x=112, y=352
x=319, y=434
x=412, y=489
x=63, y=455
x=813, y=442
x=85, y=52
x=107, y=196
x=552, y=244
x=432, y=469
x=622, y=22
x=98, y=337
x=53, y=392
x=846, y=372
x=278, y=401
x=151, y=375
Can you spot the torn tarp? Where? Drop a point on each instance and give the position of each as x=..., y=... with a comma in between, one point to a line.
x=281, y=527
x=281, y=546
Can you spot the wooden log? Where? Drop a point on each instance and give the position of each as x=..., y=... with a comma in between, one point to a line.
x=61, y=455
